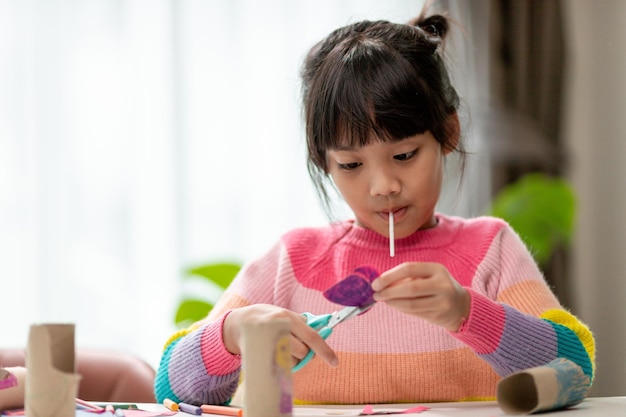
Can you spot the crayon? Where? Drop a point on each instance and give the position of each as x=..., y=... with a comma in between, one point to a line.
x=109, y=408
x=170, y=404
x=222, y=410
x=89, y=405
x=119, y=412
x=16, y=412
x=123, y=406
x=189, y=408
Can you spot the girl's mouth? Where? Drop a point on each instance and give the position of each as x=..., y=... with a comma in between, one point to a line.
x=398, y=214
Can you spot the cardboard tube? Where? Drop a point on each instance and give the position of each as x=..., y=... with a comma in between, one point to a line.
x=554, y=386
x=51, y=384
x=266, y=367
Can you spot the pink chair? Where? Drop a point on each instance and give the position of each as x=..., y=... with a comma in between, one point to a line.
x=107, y=376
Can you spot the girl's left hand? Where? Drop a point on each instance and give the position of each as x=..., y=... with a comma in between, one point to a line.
x=426, y=290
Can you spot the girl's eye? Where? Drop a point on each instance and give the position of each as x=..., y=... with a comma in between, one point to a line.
x=349, y=167
x=405, y=156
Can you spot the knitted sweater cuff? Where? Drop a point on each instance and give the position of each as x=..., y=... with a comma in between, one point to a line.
x=483, y=328
x=217, y=359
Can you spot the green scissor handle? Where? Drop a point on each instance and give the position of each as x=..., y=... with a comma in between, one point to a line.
x=324, y=324
x=319, y=323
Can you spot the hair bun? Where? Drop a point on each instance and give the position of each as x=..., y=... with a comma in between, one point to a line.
x=435, y=25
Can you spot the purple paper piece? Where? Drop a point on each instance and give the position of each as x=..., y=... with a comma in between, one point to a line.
x=368, y=272
x=355, y=289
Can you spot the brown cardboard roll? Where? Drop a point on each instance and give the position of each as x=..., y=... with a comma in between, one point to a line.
x=266, y=368
x=559, y=384
x=51, y=383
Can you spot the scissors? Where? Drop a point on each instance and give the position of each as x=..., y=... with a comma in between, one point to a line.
x=324, y=324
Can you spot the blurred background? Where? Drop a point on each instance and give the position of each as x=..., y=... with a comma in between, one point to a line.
x=141, y=138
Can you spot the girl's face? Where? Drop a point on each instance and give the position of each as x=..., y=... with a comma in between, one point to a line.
x=404, y=177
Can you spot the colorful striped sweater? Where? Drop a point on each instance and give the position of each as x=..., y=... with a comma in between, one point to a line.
x=385, y=356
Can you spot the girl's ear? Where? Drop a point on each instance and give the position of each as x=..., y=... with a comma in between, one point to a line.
x=453, y=132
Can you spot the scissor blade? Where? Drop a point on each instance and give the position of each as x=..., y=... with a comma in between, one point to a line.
x=347, y=313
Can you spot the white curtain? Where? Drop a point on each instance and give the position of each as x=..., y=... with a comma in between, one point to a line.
x=141, y=137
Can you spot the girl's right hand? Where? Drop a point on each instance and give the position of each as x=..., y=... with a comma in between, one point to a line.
x=303, y=337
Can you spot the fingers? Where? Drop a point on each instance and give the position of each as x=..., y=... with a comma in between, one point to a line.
x=304, y=338
x=408, y=280
x=407, y=288
x=403, y=272
x=308, y=338
x=425, y=290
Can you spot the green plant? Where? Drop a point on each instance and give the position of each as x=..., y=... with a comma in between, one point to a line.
x=541, y=209
x=208, y=280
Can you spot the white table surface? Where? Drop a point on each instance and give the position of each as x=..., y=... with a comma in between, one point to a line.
x=591, y=407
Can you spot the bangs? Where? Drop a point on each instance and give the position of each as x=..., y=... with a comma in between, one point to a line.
x=376, y=94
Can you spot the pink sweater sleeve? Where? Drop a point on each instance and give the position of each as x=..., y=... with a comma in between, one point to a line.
x=196, y=367
x=519, y=324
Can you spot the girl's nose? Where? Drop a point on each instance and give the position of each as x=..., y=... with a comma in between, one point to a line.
x=384, y=183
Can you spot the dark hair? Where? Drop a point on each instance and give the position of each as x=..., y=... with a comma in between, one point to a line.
x=376, y=79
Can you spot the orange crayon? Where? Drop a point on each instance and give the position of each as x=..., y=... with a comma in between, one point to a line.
x=222, y=410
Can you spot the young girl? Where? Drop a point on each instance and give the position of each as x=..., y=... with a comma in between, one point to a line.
x=461, y=303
